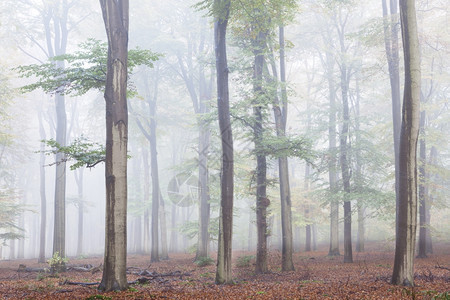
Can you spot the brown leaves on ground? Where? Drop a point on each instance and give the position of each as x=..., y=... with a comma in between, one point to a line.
x=316, y=277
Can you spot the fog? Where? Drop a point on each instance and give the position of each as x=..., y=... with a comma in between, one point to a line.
x=181, y=85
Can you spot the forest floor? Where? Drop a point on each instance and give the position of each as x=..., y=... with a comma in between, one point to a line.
x=316, y=276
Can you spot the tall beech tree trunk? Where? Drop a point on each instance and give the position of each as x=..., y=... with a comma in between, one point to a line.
x=163, y=223
x=361, y=207
x=79, y=181
x=422, y=245
x=332, y=162
x=431, y=191
x=57, y=14
x=223, y=272
x=146, y=198
x=307, y=213
x=343, y=146
x=116, y=19
x=155, y=182
x=406, y=216
x=285, y=191
x=59, y=227
x=43, y=210
x=391, y=47
x=262, y=202
x=204, y=207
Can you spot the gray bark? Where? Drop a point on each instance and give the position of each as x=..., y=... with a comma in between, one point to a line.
x=223, y=272
x=406, y=216
x=43, y=209
x=116, y=19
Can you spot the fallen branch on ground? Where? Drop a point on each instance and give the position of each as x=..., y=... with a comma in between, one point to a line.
x=438, y=266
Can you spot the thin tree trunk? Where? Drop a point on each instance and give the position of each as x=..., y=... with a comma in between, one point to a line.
x=431, y=192
x=262, y=202
x=348, y=256
x=204, y=207
x=360, y=239
x=79, y=181
x=406, y=220
x=422, y=189
x=223, y=272
x=173, y=231
x=146, y=198
x=155, y=184
x=285, y=192
x=116, y=19
x=162, y=220
x=12, y=249
x=307, y=214
x=332, y=162
x=58, y=14
x=43, y=210
x=391, y=46
x=343, y=146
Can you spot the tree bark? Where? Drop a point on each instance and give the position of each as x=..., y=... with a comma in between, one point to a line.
x=307, y=213
x=406, y=216
x=162, y=220
x=58, y=15
x=391, y=48
x=343, y=147
x=146, y=198
x=79, y=181
x=431, y=192
x=223, y=272
x=116, y=19
x=422, y=251
x=285, y=192
x=262, y=202
x=155, y=182
x=332, y=162
x=43, y=210
x=360, y=238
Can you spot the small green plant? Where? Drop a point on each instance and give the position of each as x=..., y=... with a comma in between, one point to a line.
x=94, y=297
x=132, y=289
x=204, y=261
x=82, y=256
x=441, y=296
x=244, y=261
x=57, y=263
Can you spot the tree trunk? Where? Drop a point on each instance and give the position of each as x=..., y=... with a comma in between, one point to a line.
x=422, y=190
x=262, y=202
x=348, y=256
x=431, y=192
x=360, y=239
x=12, y=249
x=59, y=227
x=332, y=162
x=406, y=216
x=173, y=230
x=223, y=272
x=43, y=210
x=204, y=207
x=79, y=180
x=391, y=46
x=205, y=93
x=115, y=16
x=285, y=192
x=162, y=220
x=146, y=198
x=58, y=14
x=307, y=214
x=155, y=184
